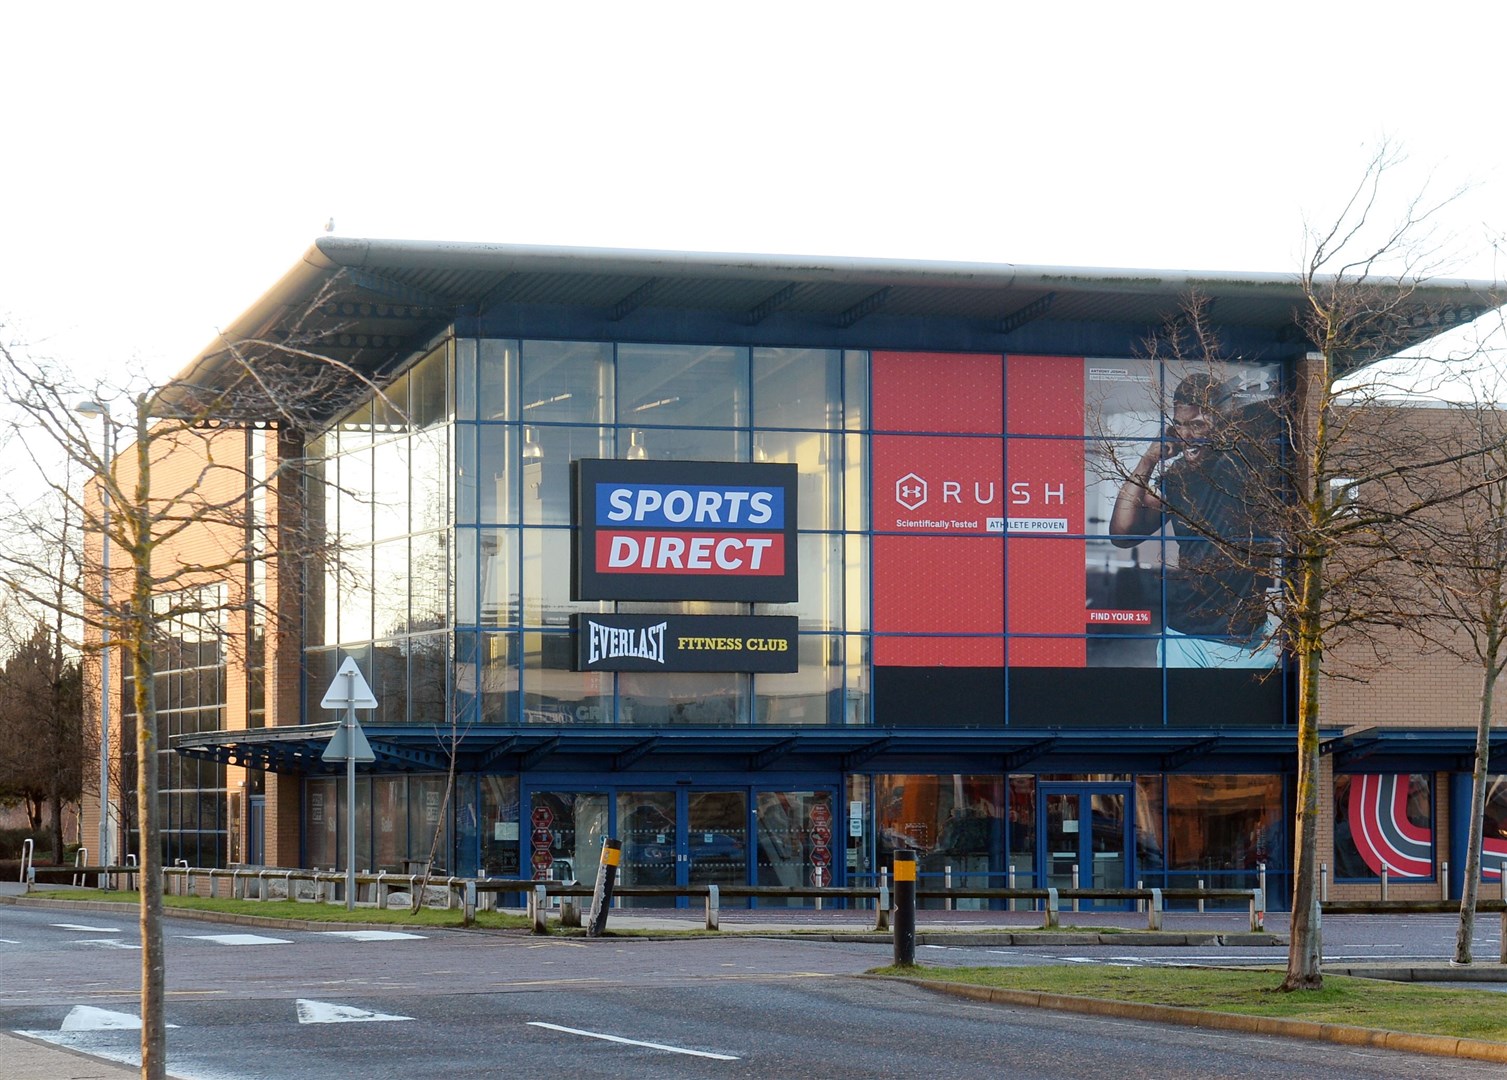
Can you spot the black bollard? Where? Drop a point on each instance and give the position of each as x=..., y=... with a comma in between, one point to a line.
x=905, y=909
x=601, y=894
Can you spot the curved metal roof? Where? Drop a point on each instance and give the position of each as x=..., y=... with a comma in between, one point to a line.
x=371, y=302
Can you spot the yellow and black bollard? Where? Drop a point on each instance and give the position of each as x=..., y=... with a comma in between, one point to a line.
x=905, y=909
x=601, y=895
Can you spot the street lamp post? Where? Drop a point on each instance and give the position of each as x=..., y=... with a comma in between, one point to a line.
x=94, y=408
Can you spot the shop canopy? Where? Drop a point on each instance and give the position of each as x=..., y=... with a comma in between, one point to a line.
x=496, y=749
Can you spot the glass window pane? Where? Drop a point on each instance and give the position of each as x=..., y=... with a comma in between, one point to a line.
x=855, y=390
x=714, y=699
x=465, y=378
x=428, y=394
x=390, y=812
x=495, y=377
x=497, y=562
x=500, y=826
x=426, y=679
x=429, y=483
x=390, y=489
x=797, y=388
x=496, y=480
x=546, y=468
x=567, y=382
x=681, y=444
x=818, y=484
x=553, y=693
x=1224, y=823
x=429, y=576
x=546, y=579
x=467, y=474
x=812, y=695
x=820, y=607
x=390, y=598
x=355, y=592
x=682, y=385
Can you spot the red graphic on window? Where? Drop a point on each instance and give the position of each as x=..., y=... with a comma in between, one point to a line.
x=1379, y=825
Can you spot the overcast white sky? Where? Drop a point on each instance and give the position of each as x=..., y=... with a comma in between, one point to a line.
x=165, y=163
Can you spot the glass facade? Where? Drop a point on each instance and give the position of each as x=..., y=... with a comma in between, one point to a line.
x=968, y=558
x=189, y=687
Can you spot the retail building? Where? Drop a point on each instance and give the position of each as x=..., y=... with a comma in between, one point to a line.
x=767, y=567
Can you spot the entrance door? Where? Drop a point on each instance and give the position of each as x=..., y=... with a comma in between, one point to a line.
x=1087, y=830
x=682, y=837
x=256, y=816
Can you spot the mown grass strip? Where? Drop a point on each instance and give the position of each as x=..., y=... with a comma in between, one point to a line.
x=303, y=910
x=1424, y=1010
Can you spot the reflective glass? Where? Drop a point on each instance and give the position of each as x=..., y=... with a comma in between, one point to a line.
x=427, y=695
x=797, y=388
x=812, y=695
x=500, y=826
x=1224, y=823
x=682, y=444
x=797, y=833
x=567, y=382
x=496, y=375
x=713, y=699
x=547, y=454
x=390, y=569
x=820, y=607
x=496, y=480
x=546, y=579
x=818, y=489
x=390, y=489
x=428, y=393
x=555, y=694
x=682, y=385
x=429, y=498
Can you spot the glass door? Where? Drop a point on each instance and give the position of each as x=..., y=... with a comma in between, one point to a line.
x=1086, y=831
x=648, y=828
x=716, y=844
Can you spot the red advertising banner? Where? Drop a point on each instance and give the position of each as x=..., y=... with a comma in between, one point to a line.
x=950, y=498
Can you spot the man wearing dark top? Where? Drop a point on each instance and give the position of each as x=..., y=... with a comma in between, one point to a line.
x=1215, y=610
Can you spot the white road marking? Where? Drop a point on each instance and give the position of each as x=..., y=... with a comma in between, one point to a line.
x=87, y=929
x=8, y=941
x=632, y=1042
x=107, y=943
x=238, y=939
x=370, y=935
x=89, y=1018
x=324, y=1012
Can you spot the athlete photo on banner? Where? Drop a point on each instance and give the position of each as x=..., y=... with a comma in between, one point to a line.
x=1183, y=457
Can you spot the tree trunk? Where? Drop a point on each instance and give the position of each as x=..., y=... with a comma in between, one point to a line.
x=1470, y=891
x=1305, y=950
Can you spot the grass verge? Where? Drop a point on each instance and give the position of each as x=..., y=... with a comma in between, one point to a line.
x=1424, y=1010
x=302, y=909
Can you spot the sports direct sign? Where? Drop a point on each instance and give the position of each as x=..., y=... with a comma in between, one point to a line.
x=673, y=530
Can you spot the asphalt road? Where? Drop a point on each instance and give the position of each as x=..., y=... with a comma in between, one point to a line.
x=275, y=1004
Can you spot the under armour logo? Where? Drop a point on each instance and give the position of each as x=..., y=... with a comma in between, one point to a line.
x=910, y=491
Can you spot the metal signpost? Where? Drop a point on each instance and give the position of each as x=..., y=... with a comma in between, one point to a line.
x=350, y=692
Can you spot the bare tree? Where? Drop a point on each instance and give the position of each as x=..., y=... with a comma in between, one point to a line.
x=1295, y=500
x=177, y=508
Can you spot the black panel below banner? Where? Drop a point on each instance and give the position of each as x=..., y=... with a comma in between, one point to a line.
x=1085, y=697
x=1205, y=697
x=912, y=697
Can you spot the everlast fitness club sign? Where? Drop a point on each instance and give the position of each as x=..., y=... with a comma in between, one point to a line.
x=757, y=643
x=673, y=530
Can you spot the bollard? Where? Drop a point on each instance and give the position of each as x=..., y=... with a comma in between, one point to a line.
x=1154, y=910
x=1075, y=886
x=905, y=909
x=1324, y=882
x=538, y=909
x=1010, y=905
x=601, y=895
x=1258, y=911
x=882, y=904
x=713, y=907
x=1140, y=905
x=1200, y=899
x=1051, y=920
x=1502, y=881
x=570, y=912
x=819, y=877
x=1444, y=880
x=468, y=912
x=947, y=884
x=1261, y=878
x=1384, y=869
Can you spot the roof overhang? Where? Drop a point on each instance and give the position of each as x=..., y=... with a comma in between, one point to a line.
x=488, y=749
x=370, y=304
x=1410, y=750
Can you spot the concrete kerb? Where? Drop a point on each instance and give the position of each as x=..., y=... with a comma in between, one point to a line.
x=1435, y=1045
